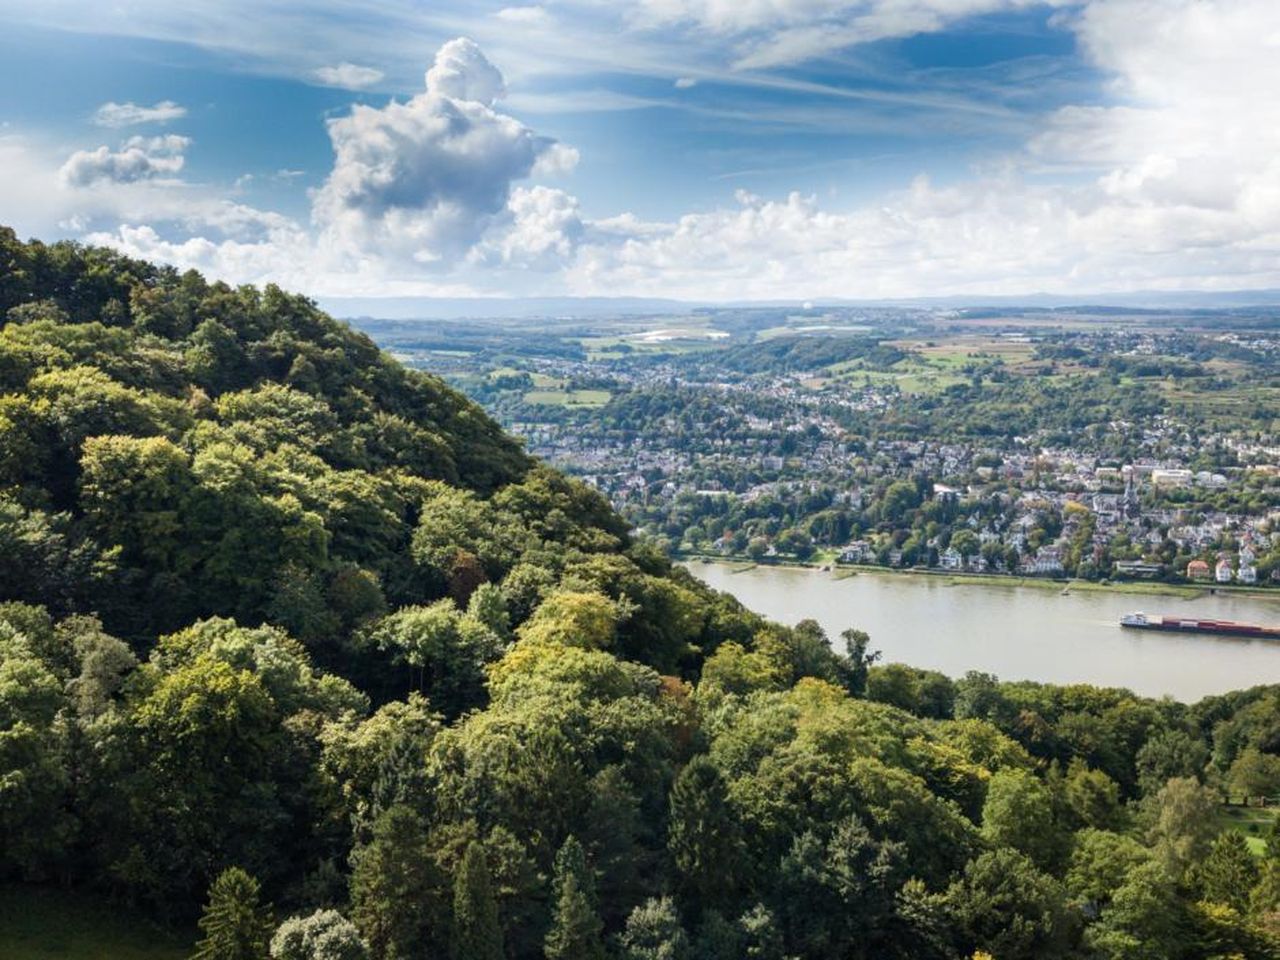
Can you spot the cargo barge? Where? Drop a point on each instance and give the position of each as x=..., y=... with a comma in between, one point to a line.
x=1227, y=628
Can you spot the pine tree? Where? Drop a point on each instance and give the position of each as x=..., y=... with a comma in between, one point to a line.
x=761, y=939
x=575, y=924
x=1228, y=872
x=235, y=926
x=477, y=933
x=392, y=882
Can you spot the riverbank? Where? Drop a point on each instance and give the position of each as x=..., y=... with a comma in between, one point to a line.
x=843, y=571
x=1037, y=630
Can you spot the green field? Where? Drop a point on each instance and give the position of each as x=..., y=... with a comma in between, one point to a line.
x=568, y=398
x=39, y=923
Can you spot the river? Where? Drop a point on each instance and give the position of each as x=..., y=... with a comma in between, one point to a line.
x=1018, y=632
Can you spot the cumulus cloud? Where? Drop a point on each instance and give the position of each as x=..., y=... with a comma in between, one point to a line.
x=556, y=159
x=282, y=253
x=138, y=158
x=128, y=114
x=462, y=72
x=1173, y=185
x=349, y=76
x=546, y=227
x=1170, y=182
x=424, y=179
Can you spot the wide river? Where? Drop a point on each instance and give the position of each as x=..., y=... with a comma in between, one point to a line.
x=1018, y=633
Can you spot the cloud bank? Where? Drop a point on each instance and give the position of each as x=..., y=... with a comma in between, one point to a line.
x=1172, y=181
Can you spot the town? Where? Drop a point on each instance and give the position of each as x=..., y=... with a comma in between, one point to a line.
x=889, y=439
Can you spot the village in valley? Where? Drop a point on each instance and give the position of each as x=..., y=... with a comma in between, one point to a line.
x=886, y=437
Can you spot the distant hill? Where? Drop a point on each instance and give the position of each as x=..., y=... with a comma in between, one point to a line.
x=431, y=308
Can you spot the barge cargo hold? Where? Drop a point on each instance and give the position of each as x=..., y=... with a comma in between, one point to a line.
x=1226, y=628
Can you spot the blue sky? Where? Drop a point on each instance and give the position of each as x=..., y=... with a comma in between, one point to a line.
x=700, y=148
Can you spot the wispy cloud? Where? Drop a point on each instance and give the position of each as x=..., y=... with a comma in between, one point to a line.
x=112, y=114
x=349, y=76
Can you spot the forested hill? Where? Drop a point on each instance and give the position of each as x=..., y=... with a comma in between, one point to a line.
x=172, y=448
x=295, y=633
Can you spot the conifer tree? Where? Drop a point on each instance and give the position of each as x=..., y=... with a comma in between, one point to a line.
x=1229, y=873
x=392, y=880
x=575, y=932
x=477, y=933
x=235, y=925
x=704, y=839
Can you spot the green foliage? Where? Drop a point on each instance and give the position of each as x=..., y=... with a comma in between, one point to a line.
x=703, y=836
x=477, y=934
x=207, y=439
x=1254, y=774
x=654, y=932
x=1018, y=813
x=1184, y=824
x=323, y=935
x=575, y=932
x=1229, y=872
x=1008, y=908
x=271, y=599
x=235, y=925
x=837, y=895
x=1145, y=919
x=1100, y=863
x=392, y=880
x=1093, y=797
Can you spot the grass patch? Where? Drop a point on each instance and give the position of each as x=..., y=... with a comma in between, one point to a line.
x=40, y=923
x=1253, y=822
x=567, y=398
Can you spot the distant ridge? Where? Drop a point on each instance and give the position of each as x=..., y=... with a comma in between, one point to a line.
x=462, y=308
x=458, y=308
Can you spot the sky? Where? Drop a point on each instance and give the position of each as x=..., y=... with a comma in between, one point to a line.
x=696, y=149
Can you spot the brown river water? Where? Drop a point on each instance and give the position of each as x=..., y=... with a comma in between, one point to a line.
x=1018, y=632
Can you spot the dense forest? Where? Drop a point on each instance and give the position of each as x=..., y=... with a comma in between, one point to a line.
x=296, y=641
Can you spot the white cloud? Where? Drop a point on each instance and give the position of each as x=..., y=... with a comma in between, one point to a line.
x=557, y=159
x=423, y=180
x=139, y=158
x=462, y=72
x=349, y=76
x=545, y=229
x=1175, y=185
x=112, y=114
x=1172, y=182
x=685, y=83
x=526, y=16
x=776, y=32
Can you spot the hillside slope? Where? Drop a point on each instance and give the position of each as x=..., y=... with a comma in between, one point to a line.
x=281, y=621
